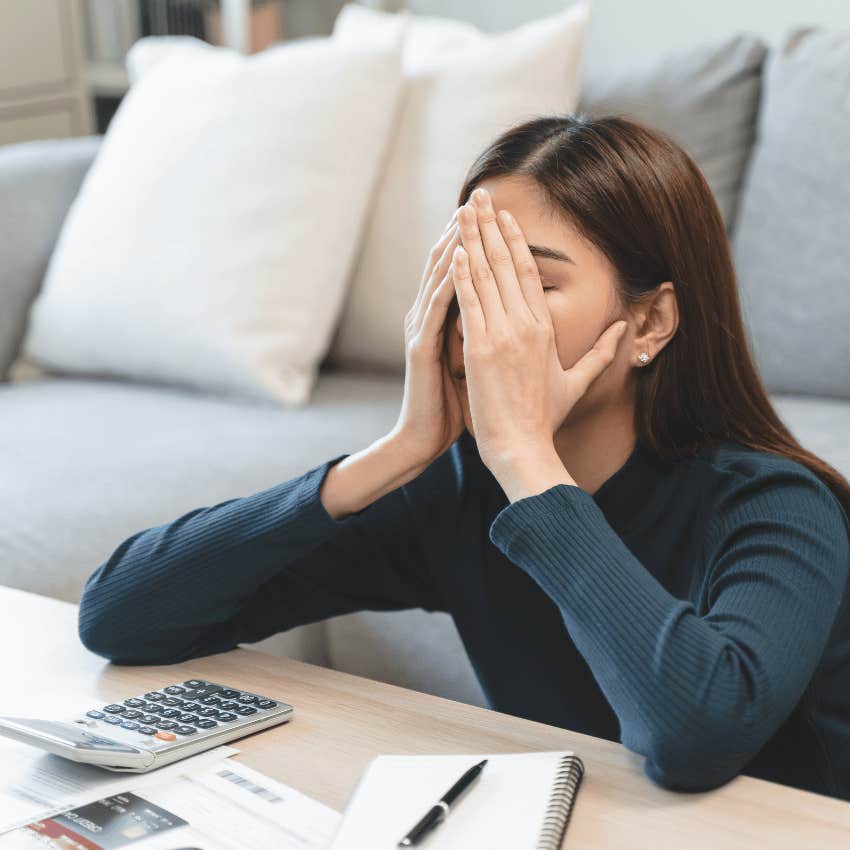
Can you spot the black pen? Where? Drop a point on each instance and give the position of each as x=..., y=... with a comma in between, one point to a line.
x=437, y=813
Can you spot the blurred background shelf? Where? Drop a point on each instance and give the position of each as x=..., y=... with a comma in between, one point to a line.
x=43, y=87
x=112, y=26
x=62, y=61
x=107, y=78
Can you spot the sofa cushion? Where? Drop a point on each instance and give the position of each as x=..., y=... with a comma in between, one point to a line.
x=87, y=463
x=211, y=242
x=415, y=649
x=706, y=99
x=822, y=425
x=792, y=238
x=462, y=89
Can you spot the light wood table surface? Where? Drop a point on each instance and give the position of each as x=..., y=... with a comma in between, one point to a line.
x=341, y=721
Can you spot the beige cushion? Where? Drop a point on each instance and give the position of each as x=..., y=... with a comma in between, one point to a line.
x=462, y=89
x=213, y=237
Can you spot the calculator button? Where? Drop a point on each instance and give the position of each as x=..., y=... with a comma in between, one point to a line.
x=134, y=702
x=185, y=730
x=154, y=696
x=229, y=706
x=190, y=706
x=171, y=701
x=97, y=715
x=208, y=712
x=226, y=716
x=170, y=712
x=129, y=724
x=131, y=713
x=147, y=730
x=247, y=699
x=228, y=693
x=166, y=736
x=165, y=724
x=148, y=718
x=206, y=724
x=175, y=690
x=266, y=703
x=195, y=683
x=115, y=721
x=206, y=691
x=212, y=701
x=152, y=708
x=114, y=708
x=246, y=709
x=188, y=718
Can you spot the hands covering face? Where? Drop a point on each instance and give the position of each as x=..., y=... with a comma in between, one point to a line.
x=519, y=394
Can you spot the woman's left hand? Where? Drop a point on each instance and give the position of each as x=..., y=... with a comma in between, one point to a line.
x=519, y=394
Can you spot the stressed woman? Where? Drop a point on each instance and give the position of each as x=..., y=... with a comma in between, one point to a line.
x=586, y=473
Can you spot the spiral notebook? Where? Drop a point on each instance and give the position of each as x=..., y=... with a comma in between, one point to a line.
x=521, y=801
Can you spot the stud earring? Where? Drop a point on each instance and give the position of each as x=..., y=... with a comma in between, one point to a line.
x=643, y=357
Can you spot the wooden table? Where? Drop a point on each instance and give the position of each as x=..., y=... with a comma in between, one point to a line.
x=341, y=721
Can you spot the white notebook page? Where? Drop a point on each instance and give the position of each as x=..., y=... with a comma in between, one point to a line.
x=504, y=807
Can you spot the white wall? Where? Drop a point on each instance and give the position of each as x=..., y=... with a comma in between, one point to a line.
x=623, y=32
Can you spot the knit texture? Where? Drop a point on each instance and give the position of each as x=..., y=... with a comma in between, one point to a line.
x=697, y=611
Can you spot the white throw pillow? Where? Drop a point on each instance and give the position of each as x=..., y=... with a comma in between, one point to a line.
x=462, y=89
x=212, y=239
x=149, y=51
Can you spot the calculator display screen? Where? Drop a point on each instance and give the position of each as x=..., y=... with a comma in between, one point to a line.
x=68, y=734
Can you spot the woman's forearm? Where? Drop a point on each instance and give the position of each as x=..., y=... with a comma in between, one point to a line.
x=697, y=695
x=170, y=591
x=362, y=478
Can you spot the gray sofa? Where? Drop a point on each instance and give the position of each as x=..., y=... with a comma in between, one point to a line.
x=88, y=461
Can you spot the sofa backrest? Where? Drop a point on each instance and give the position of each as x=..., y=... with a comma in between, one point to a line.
x=791, y=242
x=705, y=99
x=38, y=182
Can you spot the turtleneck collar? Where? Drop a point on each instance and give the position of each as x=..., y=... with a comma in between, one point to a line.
x=622, y=494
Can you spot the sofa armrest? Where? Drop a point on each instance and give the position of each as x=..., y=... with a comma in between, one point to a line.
x=38, y=182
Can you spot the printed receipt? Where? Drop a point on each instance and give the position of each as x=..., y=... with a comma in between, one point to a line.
x=35, y=784
x=223, y=806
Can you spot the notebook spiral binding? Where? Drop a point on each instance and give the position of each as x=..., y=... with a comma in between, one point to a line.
x=567, y=780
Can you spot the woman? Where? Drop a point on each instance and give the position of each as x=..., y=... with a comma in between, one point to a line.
x=586, y=473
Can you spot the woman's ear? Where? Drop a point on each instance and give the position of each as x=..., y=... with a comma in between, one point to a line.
x=655, y=319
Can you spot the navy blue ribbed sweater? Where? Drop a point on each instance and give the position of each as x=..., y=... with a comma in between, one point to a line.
x=697, y=611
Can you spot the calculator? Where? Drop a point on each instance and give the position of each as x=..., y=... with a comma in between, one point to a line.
x=153, y=729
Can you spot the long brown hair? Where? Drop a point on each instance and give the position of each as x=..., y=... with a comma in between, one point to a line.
x=643, y=201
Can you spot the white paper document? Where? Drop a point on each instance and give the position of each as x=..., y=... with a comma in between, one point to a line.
x=35, y=784
x=223, y=806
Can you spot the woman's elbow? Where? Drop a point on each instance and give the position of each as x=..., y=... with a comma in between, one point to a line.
x=115, y=633
x=98, y=635
x=688, y=763
x=112, y=634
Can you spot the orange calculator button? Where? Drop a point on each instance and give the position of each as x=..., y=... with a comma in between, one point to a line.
x=166, y=736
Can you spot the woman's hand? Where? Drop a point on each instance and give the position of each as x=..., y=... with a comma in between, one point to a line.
x=431, y=417
x=519, y=394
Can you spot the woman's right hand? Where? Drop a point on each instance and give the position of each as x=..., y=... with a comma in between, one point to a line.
x=431, y=417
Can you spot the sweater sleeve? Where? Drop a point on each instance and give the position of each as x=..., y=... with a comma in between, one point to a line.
x=698, y=696
x=249, y=567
